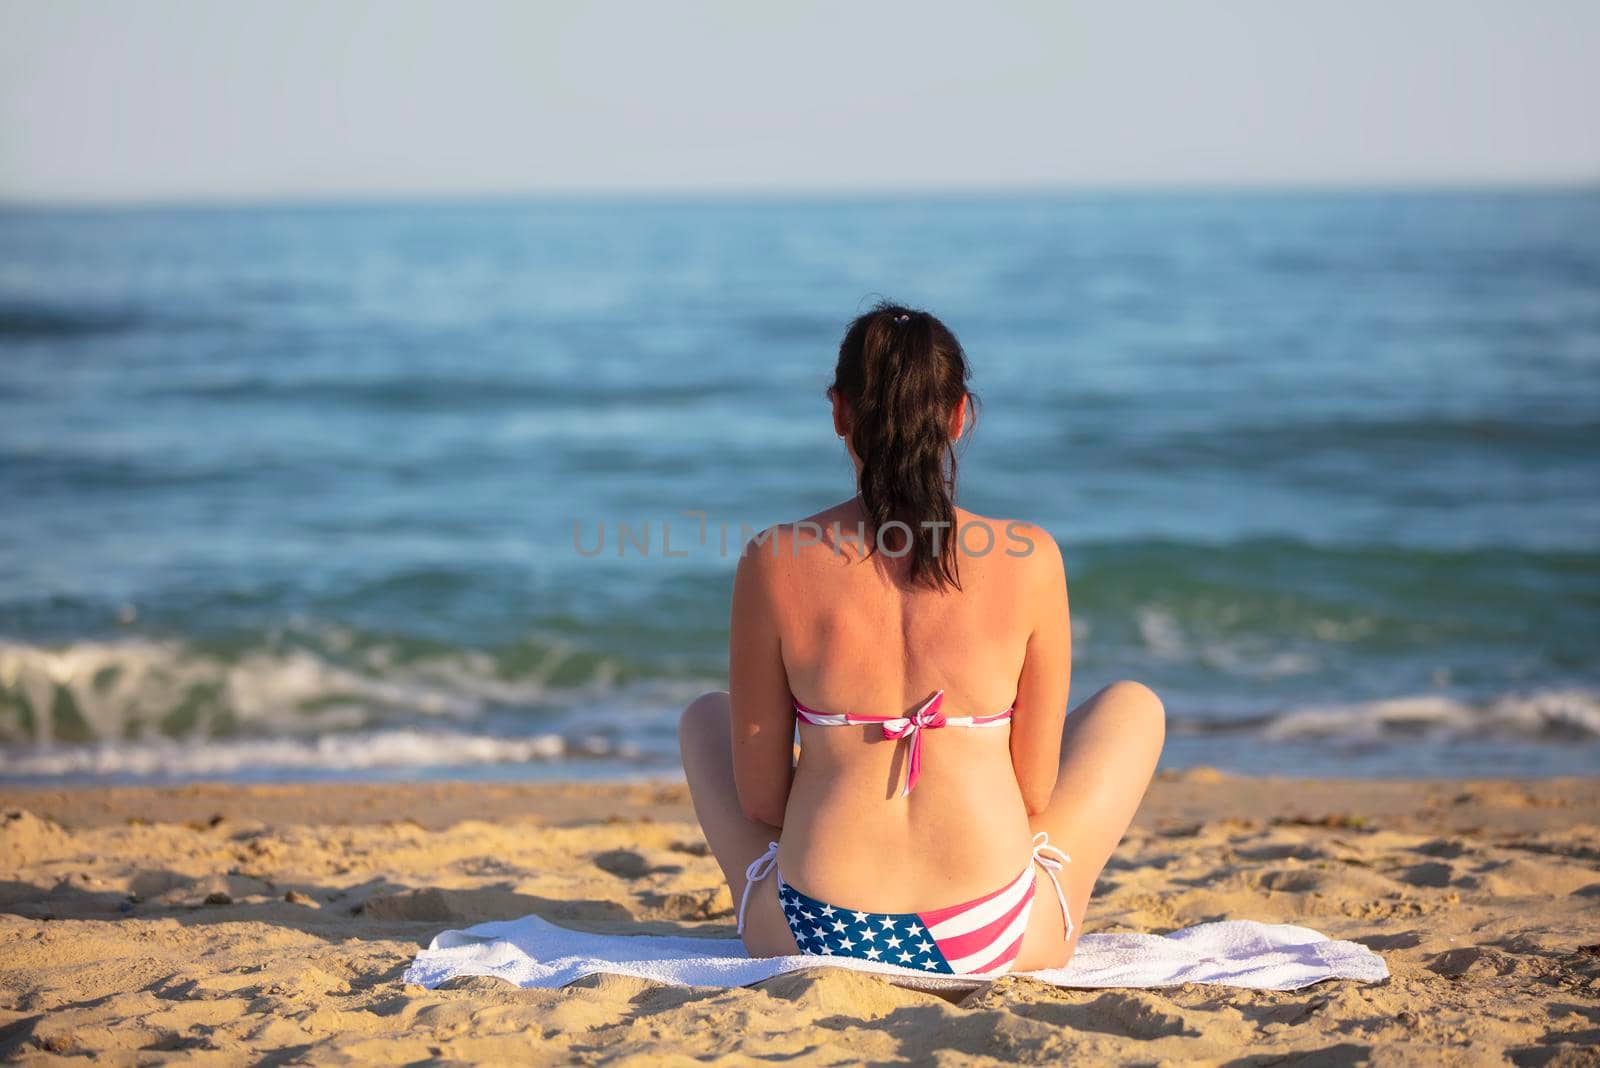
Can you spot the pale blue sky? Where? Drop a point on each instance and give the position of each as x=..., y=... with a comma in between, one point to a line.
x=173, y=99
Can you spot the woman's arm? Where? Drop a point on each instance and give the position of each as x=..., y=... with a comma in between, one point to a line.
x=1041, y=708
x=758, y=688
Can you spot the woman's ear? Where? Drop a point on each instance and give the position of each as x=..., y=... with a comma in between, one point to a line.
x=961, y=419
x=841, y=414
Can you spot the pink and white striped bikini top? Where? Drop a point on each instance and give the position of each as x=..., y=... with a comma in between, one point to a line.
x=926, y=718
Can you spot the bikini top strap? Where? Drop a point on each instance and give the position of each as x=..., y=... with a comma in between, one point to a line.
x=845, y=719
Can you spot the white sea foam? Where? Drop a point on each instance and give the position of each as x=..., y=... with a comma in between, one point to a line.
x=333, y=702
x=353, y=752
x=1163, y=635
x=162, y=708
x=1548, y=714
x=138, y=687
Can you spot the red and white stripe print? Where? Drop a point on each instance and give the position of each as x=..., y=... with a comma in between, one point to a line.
x=984, y=935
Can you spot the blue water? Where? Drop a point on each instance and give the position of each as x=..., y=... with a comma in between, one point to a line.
x=290, y=492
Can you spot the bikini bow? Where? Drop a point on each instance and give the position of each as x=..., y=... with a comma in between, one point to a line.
x=1052, y=867
x=928, y=717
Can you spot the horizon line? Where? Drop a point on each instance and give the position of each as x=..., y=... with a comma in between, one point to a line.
x=804, y=194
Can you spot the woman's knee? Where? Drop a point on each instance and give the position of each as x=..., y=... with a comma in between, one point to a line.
x=1138, y=703
x=709, y=711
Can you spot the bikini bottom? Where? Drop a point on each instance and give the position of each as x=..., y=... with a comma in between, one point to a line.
x=978, y=937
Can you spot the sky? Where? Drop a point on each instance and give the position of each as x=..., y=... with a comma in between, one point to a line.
x=200, y=100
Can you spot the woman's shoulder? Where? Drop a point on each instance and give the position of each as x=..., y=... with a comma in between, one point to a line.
x=1021, y=540
x=783, y=545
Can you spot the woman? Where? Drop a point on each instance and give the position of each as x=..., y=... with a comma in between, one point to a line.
x=881, y=625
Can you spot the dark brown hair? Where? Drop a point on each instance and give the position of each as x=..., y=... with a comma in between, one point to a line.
x=903, y=375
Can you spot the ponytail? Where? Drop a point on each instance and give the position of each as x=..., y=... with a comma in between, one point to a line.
x=904, y=377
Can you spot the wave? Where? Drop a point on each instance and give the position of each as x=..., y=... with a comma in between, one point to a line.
x=352, y=753
x=1346, y=454
x=1175, y=598
x=1559, y=715
x=26, y=321
x=445, y=393
x=1562, y=432
x=1162, y=634
x=306, y=681
x=1539, y=719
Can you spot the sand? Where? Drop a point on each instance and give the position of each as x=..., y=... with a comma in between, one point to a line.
x=272, y=925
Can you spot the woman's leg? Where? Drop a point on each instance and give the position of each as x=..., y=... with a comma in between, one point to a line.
x=705, y=741
x=1109, y=751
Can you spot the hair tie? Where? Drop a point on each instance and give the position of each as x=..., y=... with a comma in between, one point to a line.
x=903, y=317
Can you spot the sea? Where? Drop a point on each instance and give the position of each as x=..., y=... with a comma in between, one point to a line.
x=455, y=489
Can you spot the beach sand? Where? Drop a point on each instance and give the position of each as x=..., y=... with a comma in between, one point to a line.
x=272, y=925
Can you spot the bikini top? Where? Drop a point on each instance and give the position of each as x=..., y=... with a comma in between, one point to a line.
x=928, y=717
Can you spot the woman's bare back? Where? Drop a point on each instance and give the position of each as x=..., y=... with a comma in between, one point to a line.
x=856, y=638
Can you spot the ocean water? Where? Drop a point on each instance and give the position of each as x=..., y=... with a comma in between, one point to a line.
x=290, y=492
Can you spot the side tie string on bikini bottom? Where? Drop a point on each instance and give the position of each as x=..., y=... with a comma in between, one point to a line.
x=1052, y=864
x=759, y=869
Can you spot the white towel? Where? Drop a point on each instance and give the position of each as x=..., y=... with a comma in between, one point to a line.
x=532, y=952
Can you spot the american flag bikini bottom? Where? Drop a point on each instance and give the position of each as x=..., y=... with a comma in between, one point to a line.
x=977, y=937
